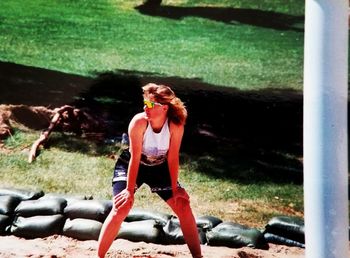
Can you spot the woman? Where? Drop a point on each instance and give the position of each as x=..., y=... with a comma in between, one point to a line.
x=155, y=137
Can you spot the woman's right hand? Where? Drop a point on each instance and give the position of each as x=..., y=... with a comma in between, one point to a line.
x=123, y=199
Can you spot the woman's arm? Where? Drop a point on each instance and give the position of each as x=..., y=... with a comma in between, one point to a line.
x=136, y=130
x=176, y=133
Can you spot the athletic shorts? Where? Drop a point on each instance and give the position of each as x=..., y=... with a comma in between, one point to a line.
x=156, y=177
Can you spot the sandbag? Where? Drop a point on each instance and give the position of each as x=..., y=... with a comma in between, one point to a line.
x=22, y=193
x=172, y=233
x=37, y=226
x=207, y=222
x=40, y=207
x=288, y=227
x=148, y=231
x=69, y=198
x=275, y=239
x=8, y=204
x=137, y=214
x=5, y=222
x=88, y=209
x=235, y=235
x=82, y=229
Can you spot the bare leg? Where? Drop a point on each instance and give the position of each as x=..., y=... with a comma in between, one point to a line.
x=188, y=225
x=110, y=229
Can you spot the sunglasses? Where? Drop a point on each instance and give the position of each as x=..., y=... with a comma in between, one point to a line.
x=151, y=104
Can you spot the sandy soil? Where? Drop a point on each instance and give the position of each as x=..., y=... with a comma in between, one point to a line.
x=61, y=246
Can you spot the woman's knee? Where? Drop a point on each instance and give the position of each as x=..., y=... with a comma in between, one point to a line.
x=182, y=207
x=121, y=212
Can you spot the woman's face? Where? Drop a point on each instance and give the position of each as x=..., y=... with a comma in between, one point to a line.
x=153, y=109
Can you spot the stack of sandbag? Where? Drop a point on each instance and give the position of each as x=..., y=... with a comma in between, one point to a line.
x=173, y=233
x=161, y=228
x=9, y=199
x=7, y=207
x=144, y=225
x=31, y=214
x=235, y=235
x=33, y=217
x=85, y=218
x=285, y=230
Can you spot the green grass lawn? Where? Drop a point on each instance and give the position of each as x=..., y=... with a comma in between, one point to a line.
x=242, y=44
x=71, y=165
x=253, y=46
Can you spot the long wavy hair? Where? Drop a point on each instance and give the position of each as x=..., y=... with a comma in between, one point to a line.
x=177, y=112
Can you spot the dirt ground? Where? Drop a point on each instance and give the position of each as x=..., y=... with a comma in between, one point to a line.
x=61, y=246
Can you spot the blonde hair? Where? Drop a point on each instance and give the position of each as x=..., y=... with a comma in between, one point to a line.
x=177, y=112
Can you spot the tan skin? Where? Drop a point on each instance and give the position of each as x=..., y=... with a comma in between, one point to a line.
x=156, y=117
x=179, y=203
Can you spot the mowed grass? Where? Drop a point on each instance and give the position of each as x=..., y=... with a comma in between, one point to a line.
x=249, y=45
x=241, y=44
x=88, y=172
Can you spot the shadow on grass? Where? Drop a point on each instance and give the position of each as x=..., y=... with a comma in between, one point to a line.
x=243, y=136
x=255, y=17
x=240, y=135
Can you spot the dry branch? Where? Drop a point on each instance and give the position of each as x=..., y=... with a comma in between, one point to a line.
x=43, y=137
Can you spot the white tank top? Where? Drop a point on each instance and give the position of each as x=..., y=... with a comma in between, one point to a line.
x=155, y=145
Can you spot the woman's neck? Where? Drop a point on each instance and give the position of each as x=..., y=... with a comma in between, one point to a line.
x=157, y=124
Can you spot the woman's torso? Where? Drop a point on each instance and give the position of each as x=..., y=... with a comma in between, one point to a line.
x=155, y=146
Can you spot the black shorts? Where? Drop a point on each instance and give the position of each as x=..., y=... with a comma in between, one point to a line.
x=156, y=177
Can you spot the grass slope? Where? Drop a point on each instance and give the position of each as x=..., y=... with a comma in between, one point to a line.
x=242, y=171
x=228, y=43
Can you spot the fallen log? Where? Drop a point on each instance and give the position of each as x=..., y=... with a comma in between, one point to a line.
x=68, y=118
